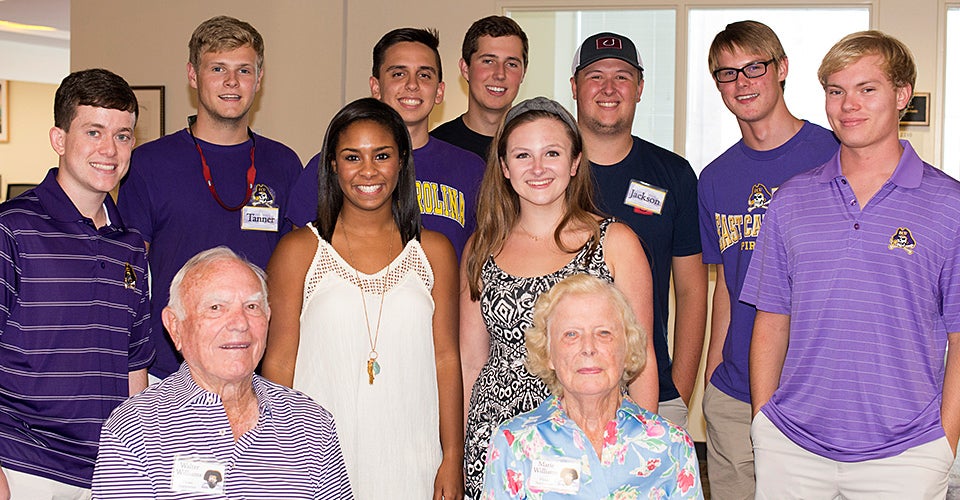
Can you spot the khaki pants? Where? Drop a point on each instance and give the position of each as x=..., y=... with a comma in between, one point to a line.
x=787, y=471
x=674, y=410
x=729, y=451
x=29, y=487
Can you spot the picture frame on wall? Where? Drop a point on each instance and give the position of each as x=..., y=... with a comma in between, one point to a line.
x=4, y=110
x=150, y=122
x=918, y=111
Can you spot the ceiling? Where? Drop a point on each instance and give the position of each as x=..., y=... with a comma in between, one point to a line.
x=50, y=13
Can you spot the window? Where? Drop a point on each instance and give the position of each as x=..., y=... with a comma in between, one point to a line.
x=555, y=36
x=711, y=128
x=951, y=101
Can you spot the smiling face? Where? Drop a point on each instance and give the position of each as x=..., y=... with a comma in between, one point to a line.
x=539, y=161
x=607, y=93
x=226, y=83
x=587, y=345
x=223, y=329
x=367, y=165
x=751, y=99
x=95, y=151
x=409, y=82
x=863, y=106
x=494, y=72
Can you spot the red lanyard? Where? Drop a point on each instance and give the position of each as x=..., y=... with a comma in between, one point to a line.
x=251, y=172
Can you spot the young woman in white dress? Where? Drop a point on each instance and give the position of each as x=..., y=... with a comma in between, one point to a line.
x=365, y=314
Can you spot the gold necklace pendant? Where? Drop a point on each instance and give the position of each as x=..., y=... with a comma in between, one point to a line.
x=373, y=367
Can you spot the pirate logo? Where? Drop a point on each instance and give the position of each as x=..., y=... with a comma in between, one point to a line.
x=129, y=277
x=262, y=196
x=759, y=198
x=903, y=238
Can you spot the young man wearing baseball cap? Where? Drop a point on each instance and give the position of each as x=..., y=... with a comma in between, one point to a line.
x=652, y=190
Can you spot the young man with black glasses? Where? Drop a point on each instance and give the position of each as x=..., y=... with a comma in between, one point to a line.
x=749, y=67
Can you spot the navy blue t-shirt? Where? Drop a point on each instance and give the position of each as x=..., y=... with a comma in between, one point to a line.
x=674, y=232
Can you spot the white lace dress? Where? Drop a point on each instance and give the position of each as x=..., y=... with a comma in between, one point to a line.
x=389, y=431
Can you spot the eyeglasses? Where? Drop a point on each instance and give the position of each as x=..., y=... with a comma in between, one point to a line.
x=752, y=70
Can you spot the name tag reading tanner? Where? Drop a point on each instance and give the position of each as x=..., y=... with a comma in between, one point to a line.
x=260, y=219
x=645, y=198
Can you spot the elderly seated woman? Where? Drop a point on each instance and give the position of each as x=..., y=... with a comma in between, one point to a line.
x=589, y=439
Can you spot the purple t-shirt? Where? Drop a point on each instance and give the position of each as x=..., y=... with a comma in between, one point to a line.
x=448, y=181
x=872, y=295
x=74, y=321
x=734, y=191
x=166, y=197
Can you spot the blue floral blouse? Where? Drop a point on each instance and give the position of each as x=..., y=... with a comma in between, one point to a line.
x=543, y=455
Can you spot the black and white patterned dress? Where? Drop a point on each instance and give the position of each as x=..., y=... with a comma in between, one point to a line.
x=504, y=387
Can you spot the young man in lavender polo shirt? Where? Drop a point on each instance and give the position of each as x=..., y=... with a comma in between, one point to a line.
x=856, y=279
x=749, y=66
x=74, y=307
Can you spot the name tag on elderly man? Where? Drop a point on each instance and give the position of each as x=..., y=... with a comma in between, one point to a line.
x=194, y=474
x=561, y=475
x=645, y=198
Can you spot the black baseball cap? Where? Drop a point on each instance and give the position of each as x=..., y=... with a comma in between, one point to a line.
x=606, y=45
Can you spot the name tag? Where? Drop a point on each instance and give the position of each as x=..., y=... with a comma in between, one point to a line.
x=260, y=219
x=645, y=198
x=194, y=474
x=561, y=475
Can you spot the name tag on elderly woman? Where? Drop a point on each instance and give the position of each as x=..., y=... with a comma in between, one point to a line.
x=197, y=474
x=561, y=475
x=645, y=198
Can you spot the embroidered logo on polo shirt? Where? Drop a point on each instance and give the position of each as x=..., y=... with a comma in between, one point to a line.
x=129, y=277
x=903, y=239
x=759, y=198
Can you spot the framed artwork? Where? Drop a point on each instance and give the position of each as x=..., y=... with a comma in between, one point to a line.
x=918, y=111
x=150, y=122
x=4, y=110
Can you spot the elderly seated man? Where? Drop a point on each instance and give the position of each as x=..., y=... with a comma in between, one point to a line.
x=214, y=428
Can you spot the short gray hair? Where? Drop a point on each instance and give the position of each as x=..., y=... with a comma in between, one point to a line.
x=538, y=336
x=203, y=258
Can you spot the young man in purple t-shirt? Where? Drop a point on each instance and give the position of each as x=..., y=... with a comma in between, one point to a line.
x=215, y=182
x=856, y=279
x=74, y=306
x=749, y=66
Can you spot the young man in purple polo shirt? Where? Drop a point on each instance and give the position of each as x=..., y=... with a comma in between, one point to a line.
x=74, y=306
x=856, y=279
x=749, y=66
x=214, y=182
x=408, y=77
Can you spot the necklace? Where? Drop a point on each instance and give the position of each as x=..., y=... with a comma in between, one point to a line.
x=528, y=233
x=373, y=366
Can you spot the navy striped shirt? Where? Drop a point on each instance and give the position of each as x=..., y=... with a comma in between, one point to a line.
x=292, y=452
x=74, y=320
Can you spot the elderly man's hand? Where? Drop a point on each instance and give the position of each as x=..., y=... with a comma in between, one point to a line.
x=449, y=482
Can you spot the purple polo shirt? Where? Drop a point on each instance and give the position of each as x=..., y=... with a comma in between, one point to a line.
x=872, y=295
x=74, y=320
